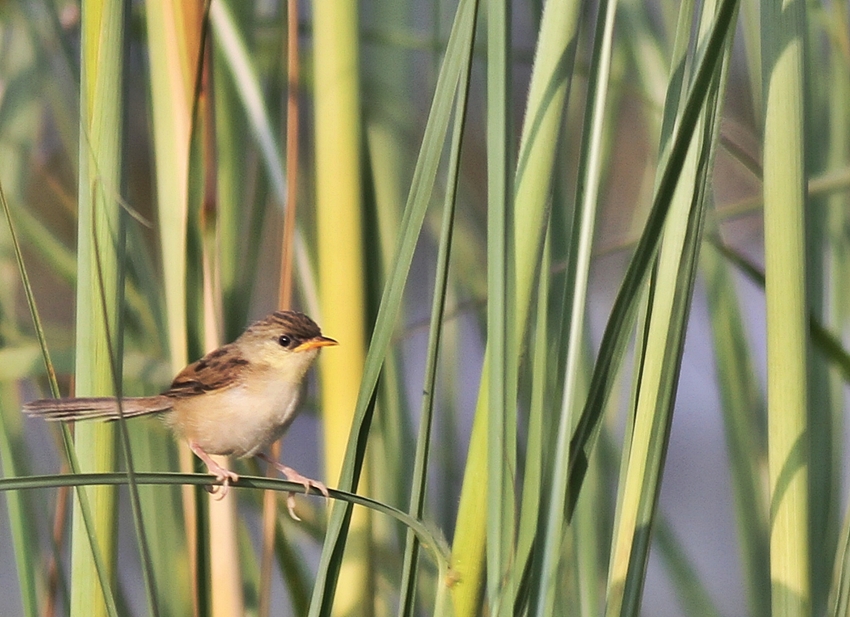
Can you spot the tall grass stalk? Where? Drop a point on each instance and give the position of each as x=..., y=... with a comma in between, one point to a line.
x=784, y=190
x=502, y=338
x=458, y=51
x=174, y=38
x=285, y=284
x=837, y=276
x=387, y=79
x=219, y=521
x=342, y=277
x=100, y=247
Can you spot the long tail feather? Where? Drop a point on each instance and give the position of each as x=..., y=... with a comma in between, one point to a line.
x=105, y=408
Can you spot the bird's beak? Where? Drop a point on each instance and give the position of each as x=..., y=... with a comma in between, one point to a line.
x=313, y=343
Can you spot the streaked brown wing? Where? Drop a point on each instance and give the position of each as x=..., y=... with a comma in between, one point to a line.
x=217, y=370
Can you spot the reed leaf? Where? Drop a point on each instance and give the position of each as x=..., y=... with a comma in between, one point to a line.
x=532, y=182
x=623, y=312
x=423, y=442
x=576, y=284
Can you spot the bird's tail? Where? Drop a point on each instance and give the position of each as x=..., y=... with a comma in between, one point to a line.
x=104, y=408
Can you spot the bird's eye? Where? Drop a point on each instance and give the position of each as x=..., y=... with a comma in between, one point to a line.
x=284, y=340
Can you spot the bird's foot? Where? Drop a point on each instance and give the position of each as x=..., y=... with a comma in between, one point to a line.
x=225, y=476
x=293, y=476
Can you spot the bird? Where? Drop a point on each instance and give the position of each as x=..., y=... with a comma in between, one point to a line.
x=236, y=400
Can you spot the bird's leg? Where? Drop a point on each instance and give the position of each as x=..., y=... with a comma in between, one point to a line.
x=225, y=476
x=294, y=476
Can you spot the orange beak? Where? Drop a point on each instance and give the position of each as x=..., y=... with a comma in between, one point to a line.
x=313, y=343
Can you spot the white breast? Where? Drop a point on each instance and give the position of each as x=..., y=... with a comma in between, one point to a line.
x=237, y=421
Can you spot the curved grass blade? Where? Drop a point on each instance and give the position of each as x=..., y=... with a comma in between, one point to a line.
x=427, y=536
x=58, y=257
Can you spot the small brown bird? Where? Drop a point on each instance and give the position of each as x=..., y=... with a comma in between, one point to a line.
x=235, y=400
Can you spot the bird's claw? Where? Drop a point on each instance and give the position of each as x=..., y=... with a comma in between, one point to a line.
x=307, y=483
x=222, y=475
x=219, y=491
x=293, y=476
